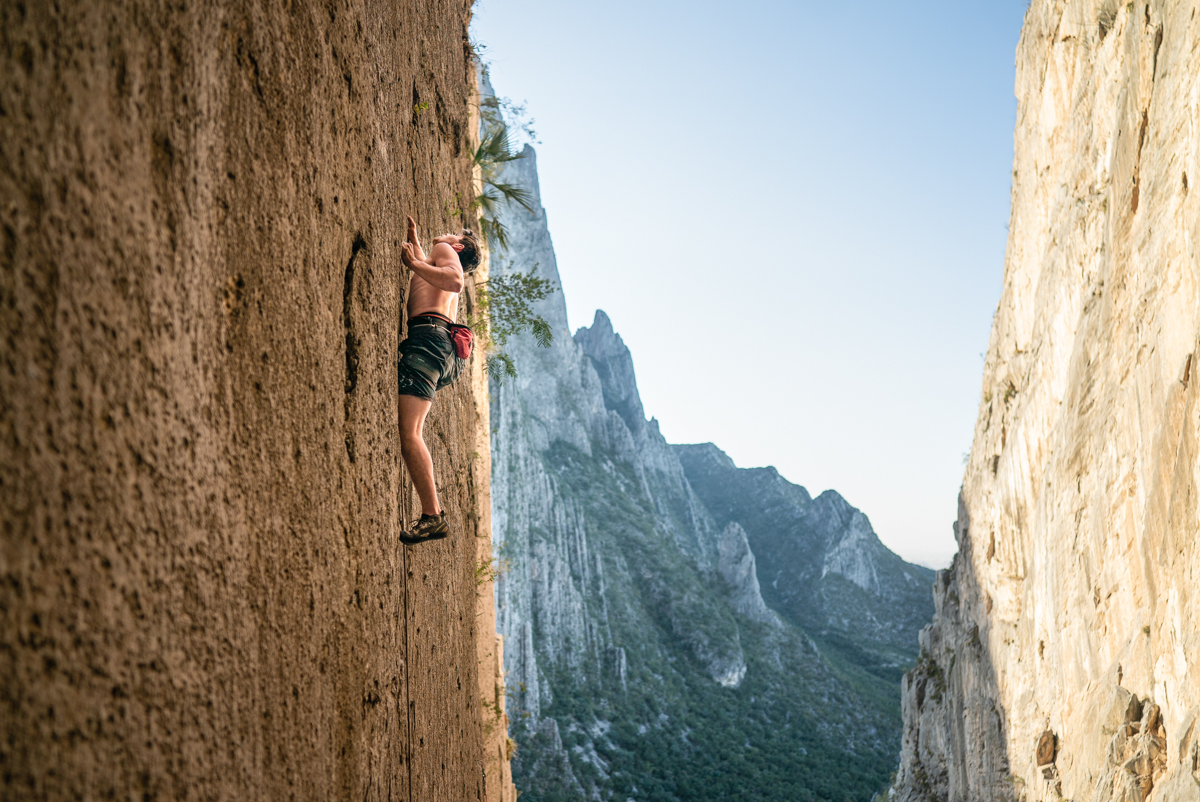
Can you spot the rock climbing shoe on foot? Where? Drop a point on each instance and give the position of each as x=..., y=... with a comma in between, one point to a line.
x=430, y=527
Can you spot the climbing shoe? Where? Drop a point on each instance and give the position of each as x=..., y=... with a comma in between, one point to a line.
x=430, y=527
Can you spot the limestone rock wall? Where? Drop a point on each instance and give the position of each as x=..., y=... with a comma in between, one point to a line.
x=554, y=578
x=1064, y=659
x=201, y=591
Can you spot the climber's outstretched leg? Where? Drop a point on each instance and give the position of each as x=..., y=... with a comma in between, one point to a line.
x=427, y=360
x=416, y=456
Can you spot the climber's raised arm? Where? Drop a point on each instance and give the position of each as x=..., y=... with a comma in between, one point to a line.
x=415, y=240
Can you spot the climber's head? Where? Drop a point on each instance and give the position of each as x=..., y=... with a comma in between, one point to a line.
x=467, y=247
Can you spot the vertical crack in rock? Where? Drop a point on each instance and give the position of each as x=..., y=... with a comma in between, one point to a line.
x=352, y=341
x=1158, y=40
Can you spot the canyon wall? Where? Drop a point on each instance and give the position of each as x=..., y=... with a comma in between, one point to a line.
x=1064, y=657
x=201, y=590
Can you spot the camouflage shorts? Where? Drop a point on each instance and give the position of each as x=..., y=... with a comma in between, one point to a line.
x=427, y=361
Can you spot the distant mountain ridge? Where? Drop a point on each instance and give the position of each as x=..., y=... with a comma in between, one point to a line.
x=650, y=653
x=827, y=571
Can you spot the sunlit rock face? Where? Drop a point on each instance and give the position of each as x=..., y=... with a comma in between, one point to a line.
x=202, y=592
x=1064, y=657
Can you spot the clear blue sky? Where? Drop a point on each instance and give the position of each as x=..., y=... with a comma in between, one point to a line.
x=794, y=213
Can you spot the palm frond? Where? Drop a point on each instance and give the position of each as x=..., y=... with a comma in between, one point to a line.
x=494, y=230
x=494, y=149
x=511, y=193
x=505, y=303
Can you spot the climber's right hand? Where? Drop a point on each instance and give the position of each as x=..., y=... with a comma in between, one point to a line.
x=418, y=252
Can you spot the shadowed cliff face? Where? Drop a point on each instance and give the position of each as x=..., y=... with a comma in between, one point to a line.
x=1065, y=646
x=201, y=591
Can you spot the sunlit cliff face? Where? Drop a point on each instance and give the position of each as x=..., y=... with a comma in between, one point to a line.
x=1065, y=638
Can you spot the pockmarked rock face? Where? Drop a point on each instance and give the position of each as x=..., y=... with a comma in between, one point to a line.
x=201, y=590
x=1064, y=657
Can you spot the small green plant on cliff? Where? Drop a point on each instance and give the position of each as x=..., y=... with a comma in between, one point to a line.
x=494, y=714
x=505, y=302
x=485, y=572
x=928, y=673
x=491, y=570
x=505, y=309
x=494, y=151
x=921, y=777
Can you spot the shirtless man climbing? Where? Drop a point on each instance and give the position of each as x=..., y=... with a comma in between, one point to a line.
x=427, y=358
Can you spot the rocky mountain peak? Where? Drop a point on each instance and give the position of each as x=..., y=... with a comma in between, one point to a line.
x=737, y=567
x=635, y=600
x=614, y=365
x=853, y=549
x=820, y=559
x=706, y=456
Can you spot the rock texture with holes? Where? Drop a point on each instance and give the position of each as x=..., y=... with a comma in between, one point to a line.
x=1065, y=644
x=201, y=591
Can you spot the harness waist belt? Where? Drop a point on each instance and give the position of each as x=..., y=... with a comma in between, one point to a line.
x=429, y=320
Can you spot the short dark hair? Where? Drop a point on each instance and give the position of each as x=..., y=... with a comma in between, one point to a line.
x=469, y=255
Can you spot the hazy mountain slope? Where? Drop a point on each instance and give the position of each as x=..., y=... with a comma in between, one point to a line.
x=820, y=563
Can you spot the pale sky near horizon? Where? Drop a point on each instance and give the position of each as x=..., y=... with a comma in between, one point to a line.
x=795, y=214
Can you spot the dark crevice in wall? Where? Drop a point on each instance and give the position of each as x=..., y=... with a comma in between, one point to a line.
x=1158, y=40
x=352, y=339
x=1137, y=168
